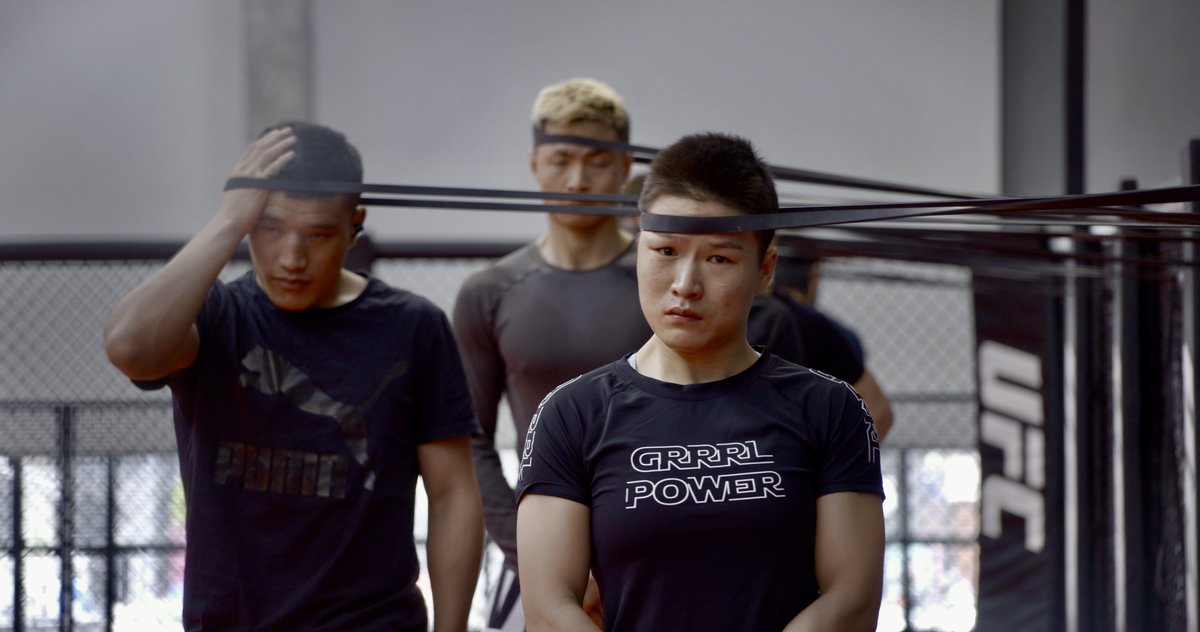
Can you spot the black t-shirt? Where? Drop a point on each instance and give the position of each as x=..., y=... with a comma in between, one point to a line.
x=297, y=436
x=702, y=496
x=525, y=326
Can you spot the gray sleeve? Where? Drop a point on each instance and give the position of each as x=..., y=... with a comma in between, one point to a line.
x=474, y=314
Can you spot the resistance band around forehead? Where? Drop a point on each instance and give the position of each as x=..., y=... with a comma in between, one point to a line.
x=641, y=153
x=802, y=217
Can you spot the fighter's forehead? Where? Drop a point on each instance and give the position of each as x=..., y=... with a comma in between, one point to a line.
x=309, y=210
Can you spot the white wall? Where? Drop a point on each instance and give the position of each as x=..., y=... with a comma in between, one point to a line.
x=121, y=119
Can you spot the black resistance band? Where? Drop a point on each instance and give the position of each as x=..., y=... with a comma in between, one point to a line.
x=643, y=154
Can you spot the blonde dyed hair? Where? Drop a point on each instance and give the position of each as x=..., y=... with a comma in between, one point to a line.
x=579, y=100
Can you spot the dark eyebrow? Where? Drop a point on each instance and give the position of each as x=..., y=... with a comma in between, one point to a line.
x=268, y=217
x=717, y=241
x=732, y=245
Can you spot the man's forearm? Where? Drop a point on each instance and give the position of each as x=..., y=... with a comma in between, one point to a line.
x=454, y=548
x=499, y=506
x=152, y=321
x=837, y=611
x=149, y=333
x=565, y=616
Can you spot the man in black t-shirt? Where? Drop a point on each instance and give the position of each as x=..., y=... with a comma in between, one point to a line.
x=825, y=345
x=307, y=400
x=709, y=485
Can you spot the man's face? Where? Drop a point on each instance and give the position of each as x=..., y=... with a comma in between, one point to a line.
x=695, y=290
x=567, y=168
x=299, y=246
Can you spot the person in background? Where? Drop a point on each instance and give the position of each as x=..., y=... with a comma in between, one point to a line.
x=825, y=345
x=553, y=309
x=308, y=399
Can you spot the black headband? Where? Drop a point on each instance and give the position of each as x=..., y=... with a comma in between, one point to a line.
x=639, y=151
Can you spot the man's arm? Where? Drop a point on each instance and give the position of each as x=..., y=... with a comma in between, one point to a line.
x=151, y=333
x=848, y=555
x=455, y=529
x=554, y=535
x=877, y=402
x=484, y=367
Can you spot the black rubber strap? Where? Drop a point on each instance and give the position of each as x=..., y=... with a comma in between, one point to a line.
x=466, y=205
x=1089, y=204
x=298, y=186
x=787, y=174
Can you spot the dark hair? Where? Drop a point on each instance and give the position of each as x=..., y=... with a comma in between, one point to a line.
x=322, y=154
x=714, y=167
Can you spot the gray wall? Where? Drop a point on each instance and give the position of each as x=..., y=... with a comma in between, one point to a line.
x=1143, y=89
x=116, y=118
x=122, y=119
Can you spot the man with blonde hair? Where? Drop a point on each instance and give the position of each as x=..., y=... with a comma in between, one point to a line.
x=553, y=309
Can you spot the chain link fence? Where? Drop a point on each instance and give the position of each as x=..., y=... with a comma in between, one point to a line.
x=91, y=505
x=916, y=322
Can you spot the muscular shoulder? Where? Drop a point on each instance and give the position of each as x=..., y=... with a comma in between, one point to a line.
x=480, y=294
x=577, y=407
x=804, y=385
x=586, y=390
x=510, y=270
x=811, y=320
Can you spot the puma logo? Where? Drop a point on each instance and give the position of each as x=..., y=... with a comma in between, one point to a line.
x=269, y=373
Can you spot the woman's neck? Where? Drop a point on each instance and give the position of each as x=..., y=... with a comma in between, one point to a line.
x=656, y=360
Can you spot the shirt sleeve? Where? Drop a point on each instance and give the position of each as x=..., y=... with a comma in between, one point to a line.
x=216, y=304
x=552, y=463
x=473, y=320
x=851, y=455
x=445, y=406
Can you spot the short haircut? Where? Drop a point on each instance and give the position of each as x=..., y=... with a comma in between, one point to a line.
x=581, y=100
x=322, y=155
x=714, y=167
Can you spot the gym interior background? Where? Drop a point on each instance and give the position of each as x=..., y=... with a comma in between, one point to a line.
x=119, y=122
